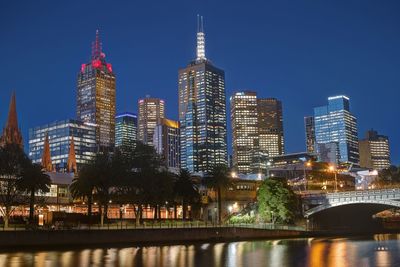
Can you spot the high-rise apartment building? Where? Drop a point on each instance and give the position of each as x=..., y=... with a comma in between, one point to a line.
x=126, y=132
x=309, y=125
x=202, y=112
x=270, y=123
x=167, y=144
x=244, y=123
x=374, y=151
x=335, y=123
x=61, y=135
x=96, y=96
x=151, y=111
x=257, y=131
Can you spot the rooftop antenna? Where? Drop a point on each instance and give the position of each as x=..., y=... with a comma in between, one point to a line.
x=97, y=47
x=201, y=42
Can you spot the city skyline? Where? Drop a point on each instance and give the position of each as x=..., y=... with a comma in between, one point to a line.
x=294, y=128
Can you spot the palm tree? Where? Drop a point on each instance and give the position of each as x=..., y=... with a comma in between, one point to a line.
x=83, y=187
x=34, y=179
x=185, y=191
x=218, y=180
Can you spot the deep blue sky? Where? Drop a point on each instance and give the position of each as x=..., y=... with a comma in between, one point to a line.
x=298, y=51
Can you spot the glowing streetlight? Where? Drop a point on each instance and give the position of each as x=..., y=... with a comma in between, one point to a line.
x=333, y=169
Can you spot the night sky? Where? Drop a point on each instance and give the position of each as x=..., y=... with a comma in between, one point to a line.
x=298, y=51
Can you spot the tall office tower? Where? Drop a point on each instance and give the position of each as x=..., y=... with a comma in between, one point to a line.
x=374, y=151
x=202, y=112
x=96, y=96
x=270, y=123
x=310, y=133
x=151, y=111
x=11, y=132
x=125, y=132
x=166, y=142
x=61, y=136
x=244, y=123
x=335, y=123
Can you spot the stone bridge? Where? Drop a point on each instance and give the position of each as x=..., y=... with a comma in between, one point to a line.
x=320, y=202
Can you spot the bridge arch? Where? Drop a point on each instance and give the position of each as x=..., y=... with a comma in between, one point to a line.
x=328, y=205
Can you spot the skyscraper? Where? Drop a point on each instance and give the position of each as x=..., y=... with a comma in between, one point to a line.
x=125, y=132
x=374, y=151
x=11, y=132
x=151, y=111
x=202, y=112
x=244, y=122
x=50, y=145
x=166, y=142
x=310, y=133
x=335, y=123
x=270, y=121
x=96, y=96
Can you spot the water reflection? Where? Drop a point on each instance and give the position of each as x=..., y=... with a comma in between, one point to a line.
x=378, y=250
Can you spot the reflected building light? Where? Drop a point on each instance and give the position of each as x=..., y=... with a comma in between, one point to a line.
x=67, y=257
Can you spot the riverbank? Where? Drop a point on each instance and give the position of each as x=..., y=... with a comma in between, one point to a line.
x=121, y=237
x=19, y=239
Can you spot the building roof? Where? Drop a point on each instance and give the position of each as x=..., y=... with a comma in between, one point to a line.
x=61, y=178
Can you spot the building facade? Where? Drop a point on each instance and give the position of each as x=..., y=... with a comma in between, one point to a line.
x=126, y=132
x=166, y=141
x=309, y=125
x=374, y=151
x=270, y=123
x=202, y=113
x=96, y=96
x=244, y=123
x=151, y=111
x=335, y=123
x=61, y=135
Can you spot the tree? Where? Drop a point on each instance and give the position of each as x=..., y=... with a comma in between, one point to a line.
x=33, y=180
x=185, y=191
x=218, y=180
x=83, y=187
x=390, y=175
x=276, y=201
x=12, y=162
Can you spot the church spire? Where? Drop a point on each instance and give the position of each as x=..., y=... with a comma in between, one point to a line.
x=71, y=164
x=11, y=133
x=46, y=157
x=201, y=41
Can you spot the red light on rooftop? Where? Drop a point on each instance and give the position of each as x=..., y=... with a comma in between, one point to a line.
x=83, y=68
x=109, y=67
x=96, y=63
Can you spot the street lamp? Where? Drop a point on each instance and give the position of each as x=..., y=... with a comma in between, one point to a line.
x=332, y=169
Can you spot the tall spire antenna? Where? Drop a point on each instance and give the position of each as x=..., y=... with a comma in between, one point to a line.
x=97, y=47
x=201, y=42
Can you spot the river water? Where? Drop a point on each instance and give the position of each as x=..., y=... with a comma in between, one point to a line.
x=377, y=250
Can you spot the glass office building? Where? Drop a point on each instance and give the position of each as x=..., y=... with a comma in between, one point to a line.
x=202, y=113
x=166, y=142
x=309, y=125
x=126, y=132
x=96, y=96
x=244, y=123
x=151, y=111
x=374, y=151
x=270, y=123
x=335, y=123
x=60, y=134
